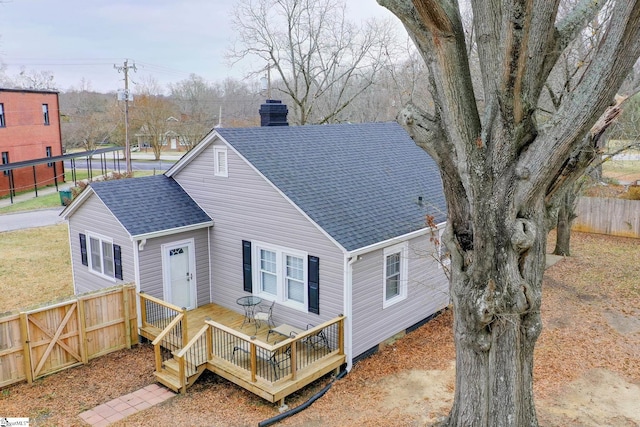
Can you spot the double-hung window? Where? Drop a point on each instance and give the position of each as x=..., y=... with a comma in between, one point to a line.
x=45, y=113
x=3, y=122
x=281, y=275
x=101, y=260
x=395, y=274
x=49, y=153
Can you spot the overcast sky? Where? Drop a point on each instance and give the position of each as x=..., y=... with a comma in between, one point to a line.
x=167, y=39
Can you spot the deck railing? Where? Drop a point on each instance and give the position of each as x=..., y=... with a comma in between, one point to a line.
x=171, y=320
x=193, y=356
x=159, y=314
x=282, y=360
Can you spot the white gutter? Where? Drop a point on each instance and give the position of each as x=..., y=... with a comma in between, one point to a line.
x=171, y=231
x=395, y=240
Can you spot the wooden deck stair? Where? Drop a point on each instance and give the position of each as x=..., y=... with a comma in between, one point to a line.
x=169, y=376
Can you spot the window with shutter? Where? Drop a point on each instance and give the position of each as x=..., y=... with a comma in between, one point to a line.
x=117, y=261
x=83, y=249
x=314, y=284
x=100, y=256
x=246, y=266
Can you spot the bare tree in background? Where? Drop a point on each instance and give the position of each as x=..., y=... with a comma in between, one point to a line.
x=502, y=169
x=84, y=117
x=152, y=116
x=321, y=60
x=195, y=99
x=35, y=79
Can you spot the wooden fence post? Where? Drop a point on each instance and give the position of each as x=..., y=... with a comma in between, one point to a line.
x=24, y=331
x=84, y=350
x=127, y=317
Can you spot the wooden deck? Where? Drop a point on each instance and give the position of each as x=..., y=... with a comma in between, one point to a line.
x=196, y=320
x=216, y=339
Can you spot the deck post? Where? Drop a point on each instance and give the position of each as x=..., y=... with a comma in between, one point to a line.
x=209, y=339
x=156, y=349
x=181, y=374
x=341, y=335
x=143, y=309
x=254, y=365
x=294, y=367
x=185, y=331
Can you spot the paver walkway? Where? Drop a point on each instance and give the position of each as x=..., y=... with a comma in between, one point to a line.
x=124, y=406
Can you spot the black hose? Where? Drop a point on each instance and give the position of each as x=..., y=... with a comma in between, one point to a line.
x=302, y=407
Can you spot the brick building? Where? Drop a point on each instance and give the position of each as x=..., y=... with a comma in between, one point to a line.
x=29, y=130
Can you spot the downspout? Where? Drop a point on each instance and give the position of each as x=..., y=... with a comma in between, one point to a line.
x=348, y=308
x=137, y=246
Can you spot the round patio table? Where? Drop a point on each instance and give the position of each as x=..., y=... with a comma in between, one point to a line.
x=249, y=304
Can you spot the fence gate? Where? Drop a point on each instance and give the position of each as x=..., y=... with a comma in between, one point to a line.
x=53, y=338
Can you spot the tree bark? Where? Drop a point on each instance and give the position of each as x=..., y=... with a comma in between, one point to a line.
x=501, y=172
x=565, y=218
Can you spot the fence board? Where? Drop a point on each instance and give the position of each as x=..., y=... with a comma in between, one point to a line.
x=62, y=335
x=616, y=217
x=12, y=362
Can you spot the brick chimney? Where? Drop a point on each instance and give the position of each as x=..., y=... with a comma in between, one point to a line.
x=273, y=113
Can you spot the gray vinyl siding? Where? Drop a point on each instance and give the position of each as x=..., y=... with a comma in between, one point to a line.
x=427, y=292
x=151, y=271
x=244, y=206
x=93, y=216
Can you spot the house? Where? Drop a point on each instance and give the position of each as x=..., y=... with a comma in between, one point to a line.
x=326, y=220
x=29, y=131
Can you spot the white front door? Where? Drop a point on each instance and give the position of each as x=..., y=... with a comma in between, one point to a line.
x=179, y=274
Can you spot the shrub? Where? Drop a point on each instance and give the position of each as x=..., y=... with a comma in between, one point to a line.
x=633, y=193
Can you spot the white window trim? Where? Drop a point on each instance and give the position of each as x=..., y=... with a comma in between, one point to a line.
x=403, y=249
x=102, y=239
x=217, y=170
x=281, y=282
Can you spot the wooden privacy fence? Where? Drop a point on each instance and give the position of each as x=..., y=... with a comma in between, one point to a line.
x=616, y=217
x=59, y=336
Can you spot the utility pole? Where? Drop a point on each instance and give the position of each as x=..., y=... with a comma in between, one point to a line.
x=127, y=97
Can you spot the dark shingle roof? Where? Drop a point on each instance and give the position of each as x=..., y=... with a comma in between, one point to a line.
x=359, y=182
x=149, y=204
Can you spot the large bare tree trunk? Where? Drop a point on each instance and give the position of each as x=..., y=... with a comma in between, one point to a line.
x=497, y=320
x=566, y=216
x=502, y=172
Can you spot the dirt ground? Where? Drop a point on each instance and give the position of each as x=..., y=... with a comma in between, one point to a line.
x=587, y=366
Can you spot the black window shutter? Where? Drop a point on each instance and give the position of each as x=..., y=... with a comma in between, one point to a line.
x=117, y=261
x=83, y=249
x=314, y=284
x=246, y=266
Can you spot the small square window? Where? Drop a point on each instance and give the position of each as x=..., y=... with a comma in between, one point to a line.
x=220, y=160
x=2, y=121
x=45, y=113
